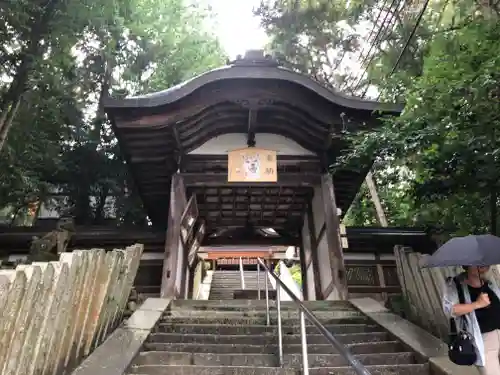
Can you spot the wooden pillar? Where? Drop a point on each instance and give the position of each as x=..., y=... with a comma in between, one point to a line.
x=380, y=276
x=190, y=285
x=332, y=232
x=314, y=252
x=303, y=271
x=174, y=253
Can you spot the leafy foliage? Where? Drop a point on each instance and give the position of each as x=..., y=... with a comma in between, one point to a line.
x=438, y=163
x=60, y=141
x=447, y=133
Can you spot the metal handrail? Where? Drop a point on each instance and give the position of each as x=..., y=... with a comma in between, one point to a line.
x=357, y=366
x=242, y=274
x=258, y=281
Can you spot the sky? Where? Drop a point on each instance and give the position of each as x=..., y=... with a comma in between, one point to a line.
x=238, y=31
x=237, y=28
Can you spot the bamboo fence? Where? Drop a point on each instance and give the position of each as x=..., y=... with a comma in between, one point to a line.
x=53, y=314
x=422, y=289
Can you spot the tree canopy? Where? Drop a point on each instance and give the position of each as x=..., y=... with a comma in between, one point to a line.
x=60, y=59
x=437, y=164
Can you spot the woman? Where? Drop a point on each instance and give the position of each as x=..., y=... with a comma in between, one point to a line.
x=481, y=311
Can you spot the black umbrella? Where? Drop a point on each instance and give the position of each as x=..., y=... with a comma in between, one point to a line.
x=482, y=250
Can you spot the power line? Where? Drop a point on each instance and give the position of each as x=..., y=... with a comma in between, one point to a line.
x=407, y=43
x=368, y=59
x=374, y=27
x=385, y=25
x=405, y=47
x=410, y=37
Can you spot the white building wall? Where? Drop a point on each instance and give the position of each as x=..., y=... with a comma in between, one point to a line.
x=227, y=142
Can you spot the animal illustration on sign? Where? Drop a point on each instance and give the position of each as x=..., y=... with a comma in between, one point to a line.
x=251, y=166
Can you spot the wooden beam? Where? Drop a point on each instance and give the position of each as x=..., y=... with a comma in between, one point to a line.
x=282, y=222
x=285, y=160
x=314, y=251
x=178, y=143
x=370, y=182
x=252, y=120
x=380, y=276
x=195, y=244
x=188, y=221
x=332, y=228
x=303, y=270
x=321, y=233
x=328, y=290
x=255, y=241
x=220, y=179
x=173, y=246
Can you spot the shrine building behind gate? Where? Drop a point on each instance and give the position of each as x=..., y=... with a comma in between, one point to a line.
x=182, y=144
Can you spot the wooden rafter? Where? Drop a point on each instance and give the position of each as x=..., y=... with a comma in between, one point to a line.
x=252, y=120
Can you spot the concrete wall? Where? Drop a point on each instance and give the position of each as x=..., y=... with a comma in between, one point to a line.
x=228, y=142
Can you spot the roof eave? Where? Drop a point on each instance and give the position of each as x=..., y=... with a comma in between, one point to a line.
x=248, y=72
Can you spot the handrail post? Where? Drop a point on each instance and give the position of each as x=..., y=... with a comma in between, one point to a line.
x=303, y=342
x=280, y=332
x=356, y=365
x=242, y=275
x=258, y=281
x=266, y=282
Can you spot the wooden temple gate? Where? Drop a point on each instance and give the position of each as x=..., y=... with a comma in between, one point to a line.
x=201, y=154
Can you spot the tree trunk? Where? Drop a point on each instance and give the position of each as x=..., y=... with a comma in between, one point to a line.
x=12, y=97
x=376, y=200
x=6, y=122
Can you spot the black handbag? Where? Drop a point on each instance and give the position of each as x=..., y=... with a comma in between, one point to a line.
x=461, y=348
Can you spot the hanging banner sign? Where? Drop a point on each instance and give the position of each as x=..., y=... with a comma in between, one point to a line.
x=252, y=165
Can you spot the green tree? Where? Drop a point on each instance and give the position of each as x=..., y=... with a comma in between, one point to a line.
x=89, y=50
x=448, y=132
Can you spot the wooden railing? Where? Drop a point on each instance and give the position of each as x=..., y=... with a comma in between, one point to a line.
x=53, y=314
x=422, y=289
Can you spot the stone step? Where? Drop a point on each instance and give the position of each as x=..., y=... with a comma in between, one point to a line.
x=237, y=282
x=268, y=360
x=145, y=296
x=237, y=277
x=238, y=305
x=221, y=296
x=265, y=339
x=210, y=329
x=208, y=370
x=235, y=274
x=285, y=314
x=222, y=291
x=258, y=320
x=346, y=311
x=360, y=348
x=232, y=288
x=408, y=369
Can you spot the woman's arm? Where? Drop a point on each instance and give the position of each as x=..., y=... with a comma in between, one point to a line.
x=451, y=303
x=464, y=309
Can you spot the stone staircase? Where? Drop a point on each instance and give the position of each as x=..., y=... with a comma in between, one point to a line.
x=225, y=283
x=231, y=337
